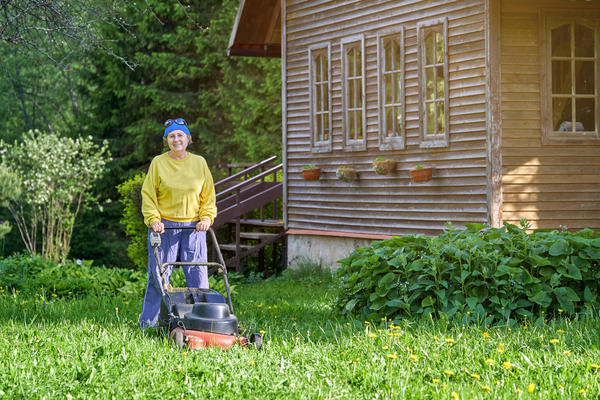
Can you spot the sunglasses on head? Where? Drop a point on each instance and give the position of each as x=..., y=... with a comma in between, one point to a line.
x=178, y=121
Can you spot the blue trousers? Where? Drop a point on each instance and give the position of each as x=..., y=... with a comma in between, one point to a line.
x=190, y=246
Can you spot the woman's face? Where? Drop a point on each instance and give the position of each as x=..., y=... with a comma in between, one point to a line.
x=177, y=141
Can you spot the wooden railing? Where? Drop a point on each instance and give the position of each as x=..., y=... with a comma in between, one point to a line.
x=235, y=200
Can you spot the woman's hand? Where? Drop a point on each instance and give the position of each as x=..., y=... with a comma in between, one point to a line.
x=203, y=225
x=158, y=226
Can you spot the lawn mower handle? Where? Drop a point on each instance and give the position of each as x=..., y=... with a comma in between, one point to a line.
x=155, y=243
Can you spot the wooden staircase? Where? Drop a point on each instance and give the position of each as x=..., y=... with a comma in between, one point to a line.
x=249, y=192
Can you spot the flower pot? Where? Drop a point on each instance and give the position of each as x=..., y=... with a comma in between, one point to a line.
x=384, y=167
x=346, y=174
x=312, y=174
x=421, y=174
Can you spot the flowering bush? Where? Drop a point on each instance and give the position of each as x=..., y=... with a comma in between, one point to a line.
x=480, y=274
x=55, y=175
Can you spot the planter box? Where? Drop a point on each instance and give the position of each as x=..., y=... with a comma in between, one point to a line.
x=384, y=167
x=346, y=174
x=311, y=174
x=421, y=174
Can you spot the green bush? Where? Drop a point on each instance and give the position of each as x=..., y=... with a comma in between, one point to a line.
x=489, y=275
x=133, y=220
x=30, y=274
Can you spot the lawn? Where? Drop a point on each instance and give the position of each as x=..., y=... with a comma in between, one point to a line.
x=91, y=348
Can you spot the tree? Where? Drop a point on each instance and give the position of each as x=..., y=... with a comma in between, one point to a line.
x=55, y=175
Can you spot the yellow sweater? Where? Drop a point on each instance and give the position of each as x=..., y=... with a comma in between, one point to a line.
x=178, y=190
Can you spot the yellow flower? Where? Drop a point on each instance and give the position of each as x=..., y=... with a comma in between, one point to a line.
x=506, y=364
x=413, y=358
x=455, y=395
x=392, y=356
x=501, y=345
x=385, y=347
x=262, y=332
x=489, y=361
x=560, y=331
x=595, y=366
x=260, y=305
x=436, y=381
x=383, y=319
x=486, y=335
x=367, y=323
x=53, y=294
x=560, y=310
x=486, y=388
x=581, y=391
x=449, y=340
x=396, y=334
x=500, y=351
x=348, y=323
x=518, y=391
x=567, y=353
x=553, y=341
x=448, y=372
x=531, y=387
x=372, y=335
x=251, y=362
x=475, y=376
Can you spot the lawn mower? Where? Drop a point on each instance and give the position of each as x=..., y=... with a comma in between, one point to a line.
x=198, y=318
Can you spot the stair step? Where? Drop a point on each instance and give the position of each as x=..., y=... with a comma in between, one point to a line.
x=231, y=247
x=257, y=235
x=267, y=223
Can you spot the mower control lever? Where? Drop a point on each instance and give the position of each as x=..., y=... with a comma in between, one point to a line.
x=154, y=239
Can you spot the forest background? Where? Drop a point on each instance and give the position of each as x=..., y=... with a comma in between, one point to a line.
x=141, y=63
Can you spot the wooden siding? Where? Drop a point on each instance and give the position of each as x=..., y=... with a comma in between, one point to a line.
x=388, y=205
x=551, y=186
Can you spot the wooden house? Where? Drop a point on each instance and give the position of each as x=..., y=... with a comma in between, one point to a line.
x=500, y=97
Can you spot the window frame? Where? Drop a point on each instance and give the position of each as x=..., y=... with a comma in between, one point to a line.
x=313, y=51
x=423, y=29
x=548, y=21
x=394, y=142
x=345, y=45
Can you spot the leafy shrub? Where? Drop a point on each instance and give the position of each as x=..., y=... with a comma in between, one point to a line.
x=30, y=274
x=133, y=220
x=490, y=275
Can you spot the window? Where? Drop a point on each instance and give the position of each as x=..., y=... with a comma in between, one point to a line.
x=391, y=90
x=320, y=97
x=353, y=89
x=433, y=80
x=570, y=92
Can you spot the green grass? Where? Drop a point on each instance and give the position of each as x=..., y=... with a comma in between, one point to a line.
x=91, y=348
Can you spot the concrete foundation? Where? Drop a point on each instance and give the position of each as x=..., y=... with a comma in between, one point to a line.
x=323, y=250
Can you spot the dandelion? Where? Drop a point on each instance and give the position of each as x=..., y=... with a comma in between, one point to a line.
x=348, y=323
x=448, y=372
x=413, y=358
x=251, y=362
x=531, y=388
x=449, y=340
x=560, y=310
x=436, y=381
x=501, y=345
x=385, y=347
x=475, y=376
x=53, y=294
x=595, y=366
x=260, y=305
x=553, y=341
x=455, y=395
x=489, y=361
x=294, y=318
x=506, y=365
x=372, y=335
x=392, y=356
x=567, y=353
x=262, y=331
x=367, y=323
x=518, y=391
x=486, y=388
x=582, y=392
x=560, y=331
x=486, y=335
x=383, y=319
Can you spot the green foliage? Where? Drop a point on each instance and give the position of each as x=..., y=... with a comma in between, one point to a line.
x=133, y=220
x=31, y=274
x=478, y=274
x=55, y=175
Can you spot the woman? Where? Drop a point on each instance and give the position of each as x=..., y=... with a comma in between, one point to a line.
x=178, y=191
